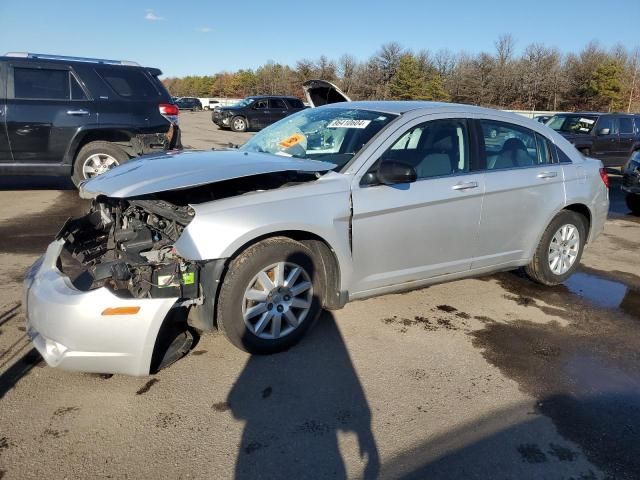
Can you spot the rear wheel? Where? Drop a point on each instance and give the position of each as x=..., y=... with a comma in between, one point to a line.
x=633, y=202
x=96, y=158
x=270, y=296
x=560, y=249
x=239, y=124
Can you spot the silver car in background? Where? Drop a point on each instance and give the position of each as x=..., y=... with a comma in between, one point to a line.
x=332, y=204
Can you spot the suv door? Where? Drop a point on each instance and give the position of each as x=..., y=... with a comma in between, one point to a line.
x=626, y=138
x=278, y=109
x=259, y=114
x=5, y=150
x=410, y=232
x=605, y=145
x=523, y=189
x=46, y=104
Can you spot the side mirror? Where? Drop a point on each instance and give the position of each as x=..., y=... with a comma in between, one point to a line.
x=392, y=172
x=604, y=131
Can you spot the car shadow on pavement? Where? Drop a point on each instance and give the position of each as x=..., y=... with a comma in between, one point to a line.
x=20, y=367
x=35, y=182
x=521, y=442
x=294, y=405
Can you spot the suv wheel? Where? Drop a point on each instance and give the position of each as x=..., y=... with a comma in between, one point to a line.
x=239, y=124
x=560, y=249
x=95, y=158
x=633, y=202
x=270, y=296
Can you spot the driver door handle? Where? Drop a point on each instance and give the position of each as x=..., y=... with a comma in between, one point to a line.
x=465, y=186
x=547, y=174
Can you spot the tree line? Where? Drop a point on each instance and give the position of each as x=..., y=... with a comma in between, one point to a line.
x=538, y=78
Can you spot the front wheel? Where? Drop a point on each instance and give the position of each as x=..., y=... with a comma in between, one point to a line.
x=560, y=249
x=270, y=296
x=633, y=202
x=239, y=124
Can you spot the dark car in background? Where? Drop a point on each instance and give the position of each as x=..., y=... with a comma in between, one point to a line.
x=80, y=116
x=189, y=103
x=609, y=137
x=255, y=113
x=631, y=182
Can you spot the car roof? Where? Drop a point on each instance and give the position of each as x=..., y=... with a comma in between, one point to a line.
x=274, y=96
x=404, y=106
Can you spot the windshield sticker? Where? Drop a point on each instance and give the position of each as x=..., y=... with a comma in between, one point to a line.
x=294, y=139
x=588, y=121
x=348, y=123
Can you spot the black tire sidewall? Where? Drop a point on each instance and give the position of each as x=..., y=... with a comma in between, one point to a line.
x=542, y=253
x=232, y=124
x=633, y=203
x=241, y=272
x=91, y=149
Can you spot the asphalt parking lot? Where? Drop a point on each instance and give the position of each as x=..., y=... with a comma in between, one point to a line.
x=491, y=378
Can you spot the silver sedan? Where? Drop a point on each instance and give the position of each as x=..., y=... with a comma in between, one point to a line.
x=336, y=203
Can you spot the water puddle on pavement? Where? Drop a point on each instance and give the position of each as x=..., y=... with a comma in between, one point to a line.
x=605, y=293
x=584, y=375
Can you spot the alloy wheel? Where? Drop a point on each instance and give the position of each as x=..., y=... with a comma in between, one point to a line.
x=97, y=164
x=277, y=300
x=564, y=249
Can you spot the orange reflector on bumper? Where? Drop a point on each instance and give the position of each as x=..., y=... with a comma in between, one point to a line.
x=121, y=311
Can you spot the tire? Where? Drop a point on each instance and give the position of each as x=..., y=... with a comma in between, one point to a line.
x=239, y=124
x=96, y=150
x=540, y=269
x=633, y=202
x=251, y=324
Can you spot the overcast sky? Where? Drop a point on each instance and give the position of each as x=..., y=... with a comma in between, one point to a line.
x=203, y=37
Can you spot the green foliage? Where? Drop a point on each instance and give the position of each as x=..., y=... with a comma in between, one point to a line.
x=606, y=85
x=540, y=78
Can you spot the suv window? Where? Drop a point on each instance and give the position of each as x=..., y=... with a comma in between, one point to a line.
x=261, y=104
x=606, y=122
x=277, y=103
x=40, y=83
x=625, y=124
x=295, y=103
x=509, y=146
x=128, y=83
x=436, y=148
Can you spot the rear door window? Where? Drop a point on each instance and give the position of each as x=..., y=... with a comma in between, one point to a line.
x=277, y=103
x=626, y=125
x=509, y=146
x=128, y=83
x=37, y=83
x=295, y=103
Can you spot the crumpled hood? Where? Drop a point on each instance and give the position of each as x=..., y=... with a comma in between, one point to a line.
x=178, y=170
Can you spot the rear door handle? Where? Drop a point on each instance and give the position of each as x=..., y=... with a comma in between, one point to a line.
x=78, y=112
x=547, y=174
x=465, y=186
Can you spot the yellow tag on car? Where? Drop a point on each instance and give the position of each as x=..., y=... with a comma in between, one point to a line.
x=292, y=140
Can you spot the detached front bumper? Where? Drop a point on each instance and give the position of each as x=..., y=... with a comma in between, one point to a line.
x=68, y=328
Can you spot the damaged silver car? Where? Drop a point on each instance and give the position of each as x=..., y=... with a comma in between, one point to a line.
x=332, y=204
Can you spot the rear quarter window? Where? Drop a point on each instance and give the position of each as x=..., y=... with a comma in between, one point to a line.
x=295, y=103
x=132, y=84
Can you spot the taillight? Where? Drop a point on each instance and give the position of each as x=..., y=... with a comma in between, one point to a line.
x=604, y=176
x=168, y=109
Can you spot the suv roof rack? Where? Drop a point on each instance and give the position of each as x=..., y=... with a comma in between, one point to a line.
x=46, y=56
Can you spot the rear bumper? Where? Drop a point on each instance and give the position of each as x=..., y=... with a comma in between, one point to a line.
x=67, y=327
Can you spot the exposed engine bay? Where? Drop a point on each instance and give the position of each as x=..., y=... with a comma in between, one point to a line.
x=127, y=245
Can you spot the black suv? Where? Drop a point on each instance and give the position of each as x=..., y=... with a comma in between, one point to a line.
x=80, y=116
x=254, y=113
x=189, y=103
x=609, y=137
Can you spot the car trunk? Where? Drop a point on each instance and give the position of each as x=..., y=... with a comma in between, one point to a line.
x=322, y=92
